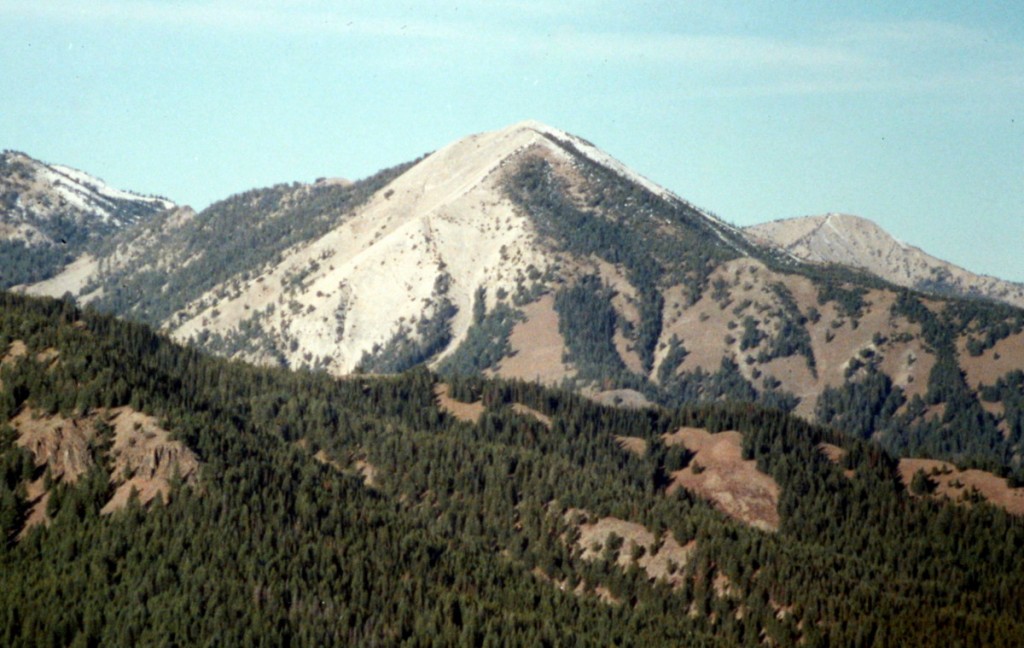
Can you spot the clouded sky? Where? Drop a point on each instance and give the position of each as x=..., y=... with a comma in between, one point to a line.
x=908, y=113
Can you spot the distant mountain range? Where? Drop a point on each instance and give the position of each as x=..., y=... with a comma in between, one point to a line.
x=531, y=253
x=860, y=243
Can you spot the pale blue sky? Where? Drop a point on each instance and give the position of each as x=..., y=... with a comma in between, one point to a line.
x=908, y=113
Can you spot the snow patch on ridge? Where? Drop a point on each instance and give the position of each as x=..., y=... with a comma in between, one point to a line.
x=44, y=191
x=102, y=188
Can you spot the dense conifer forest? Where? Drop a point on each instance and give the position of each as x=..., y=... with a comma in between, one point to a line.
x=466, y=534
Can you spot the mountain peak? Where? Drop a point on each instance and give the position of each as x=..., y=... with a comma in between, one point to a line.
x=535, y=125
x=588, y=150
x=856, y=241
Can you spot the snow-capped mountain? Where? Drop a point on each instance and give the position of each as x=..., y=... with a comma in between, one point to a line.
x=34, y=192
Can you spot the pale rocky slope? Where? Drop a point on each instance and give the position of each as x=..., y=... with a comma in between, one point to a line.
x=423, y=245
x=84, y=276
x=439, y=231
x=33, y=193
x=860, y=243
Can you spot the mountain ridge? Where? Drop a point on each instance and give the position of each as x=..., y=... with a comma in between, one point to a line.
x=465, y=259
x=860, y=242
x=821, y=457
x=51, y=214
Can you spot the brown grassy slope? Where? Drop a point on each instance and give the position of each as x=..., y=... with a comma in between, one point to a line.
x=467, y=412
x=537, y=346
x=719, y=473
x=1007, y=355
x=957, y=484
x=712, y=328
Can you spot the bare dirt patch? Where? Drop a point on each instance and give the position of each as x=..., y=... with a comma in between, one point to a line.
x=324, y=458
x=525, y=410
x=359, y=466
x=17, y=349
x=145, y=452
x=835, y=454
x=368, y=472
x=719, y=473
x=618, y=398
x=56, y=442
x=958, y=485
x=934, y=412
x=663, y=558
x=47, y=356
x=636, y=445
x=467, y=412
x=142, y=458
x=997, y=409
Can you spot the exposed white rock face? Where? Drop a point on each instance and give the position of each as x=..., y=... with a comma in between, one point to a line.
x=412, y=254
x=858, y=242
x=378, y=273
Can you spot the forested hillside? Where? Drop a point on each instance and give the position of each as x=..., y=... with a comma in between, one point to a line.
x=362, y=511
x=919, y=374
